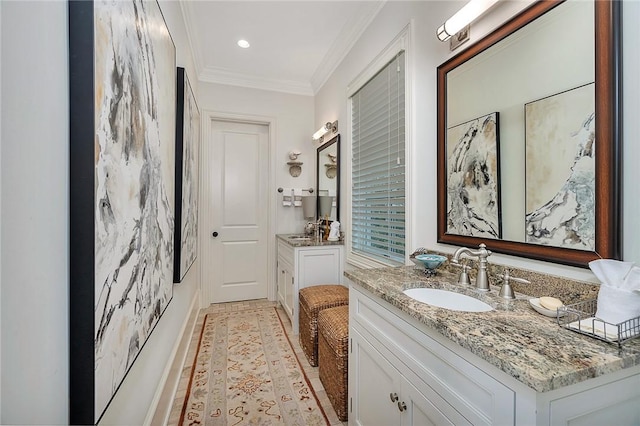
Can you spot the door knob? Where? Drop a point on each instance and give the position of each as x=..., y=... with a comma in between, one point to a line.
x=393, y=396
x=402, y=406
x=215, y=234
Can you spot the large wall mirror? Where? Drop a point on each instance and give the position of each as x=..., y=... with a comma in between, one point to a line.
x=528, y=136
x=328, y=179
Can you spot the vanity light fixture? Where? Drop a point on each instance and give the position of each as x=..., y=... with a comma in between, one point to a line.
x=469, y=13
x=328, y=127
x=244, y=44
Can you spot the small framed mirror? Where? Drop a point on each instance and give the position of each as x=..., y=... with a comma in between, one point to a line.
x=528, y=136
x=328, y=179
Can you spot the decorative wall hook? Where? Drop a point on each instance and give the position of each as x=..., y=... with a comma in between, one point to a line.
x=295, y=166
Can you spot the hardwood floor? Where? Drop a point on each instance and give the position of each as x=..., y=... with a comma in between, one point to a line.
x=311, y=372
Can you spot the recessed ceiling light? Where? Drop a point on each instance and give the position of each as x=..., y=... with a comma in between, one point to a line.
x=243, y=43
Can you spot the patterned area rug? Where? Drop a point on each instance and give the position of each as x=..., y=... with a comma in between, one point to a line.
x=246, y=373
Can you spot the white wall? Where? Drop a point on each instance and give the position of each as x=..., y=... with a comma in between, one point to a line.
x=35, y=233
x=35, y=200
x=293, y=116
x=426, y=55
x=0, y=212
x=631, y=132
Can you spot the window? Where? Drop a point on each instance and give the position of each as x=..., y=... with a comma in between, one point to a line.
x=378, y=165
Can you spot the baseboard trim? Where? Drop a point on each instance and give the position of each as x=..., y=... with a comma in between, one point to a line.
x=168, y=385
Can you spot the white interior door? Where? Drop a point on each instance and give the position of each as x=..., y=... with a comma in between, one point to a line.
x=235, y=237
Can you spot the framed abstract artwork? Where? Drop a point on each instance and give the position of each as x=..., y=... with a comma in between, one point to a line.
x=473, y=178
x=122, y=169
x=187, y=150
x=560, y=190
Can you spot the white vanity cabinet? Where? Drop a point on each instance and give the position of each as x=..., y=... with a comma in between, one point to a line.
x=436, y=386
x=439, y=382
x=383, y=395
x=304, y=266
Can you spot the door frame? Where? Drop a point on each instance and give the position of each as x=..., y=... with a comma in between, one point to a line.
x=270, y=122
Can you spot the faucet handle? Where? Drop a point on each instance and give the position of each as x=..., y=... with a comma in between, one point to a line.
x=464, y=275
x=507, y=291
x=483, y=247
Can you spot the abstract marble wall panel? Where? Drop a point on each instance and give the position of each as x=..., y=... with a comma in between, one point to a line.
x=560, y=189
x=122, y=148
x=187, y=160
x=473, y=178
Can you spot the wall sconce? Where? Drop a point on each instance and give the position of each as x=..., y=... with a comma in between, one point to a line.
x=328, y=127
x=469, y=13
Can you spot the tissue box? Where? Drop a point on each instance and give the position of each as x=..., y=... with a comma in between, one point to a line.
x=616, y=305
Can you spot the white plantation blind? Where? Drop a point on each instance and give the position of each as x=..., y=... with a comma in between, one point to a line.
x=378, y=165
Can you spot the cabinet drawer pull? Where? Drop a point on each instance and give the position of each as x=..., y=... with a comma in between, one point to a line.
x=393, y=396
x=402, y=406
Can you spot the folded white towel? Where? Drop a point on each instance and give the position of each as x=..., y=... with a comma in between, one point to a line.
x=617, y=299
x=616, y=305
x=616, y=273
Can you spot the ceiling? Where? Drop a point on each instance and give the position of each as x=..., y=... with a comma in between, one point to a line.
x=295, y=45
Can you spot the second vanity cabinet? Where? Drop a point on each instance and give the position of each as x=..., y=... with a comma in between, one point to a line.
x=304, y=266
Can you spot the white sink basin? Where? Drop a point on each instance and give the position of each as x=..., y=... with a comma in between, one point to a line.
x=447, y=300
x=300, y=238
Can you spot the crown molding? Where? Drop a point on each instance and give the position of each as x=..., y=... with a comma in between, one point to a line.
x=230, y=77
x=187, y=17
x=343, y=44
x=337, y=52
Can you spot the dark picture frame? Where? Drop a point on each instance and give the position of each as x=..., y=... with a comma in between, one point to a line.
x=122, y=78
x=187, y=168
x=323, y=173
x=607, y=71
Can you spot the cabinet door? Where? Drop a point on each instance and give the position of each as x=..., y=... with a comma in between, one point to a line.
x=419, y=410
x=374, y=385
x=280, y=282
x=290, y=291
x=319, y=266
x=285, y=286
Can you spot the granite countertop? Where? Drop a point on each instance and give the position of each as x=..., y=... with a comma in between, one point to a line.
x=294, y=241
x=528, y=346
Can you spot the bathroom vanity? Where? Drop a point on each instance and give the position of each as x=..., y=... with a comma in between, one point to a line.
x=303, y=262
x=413, y=363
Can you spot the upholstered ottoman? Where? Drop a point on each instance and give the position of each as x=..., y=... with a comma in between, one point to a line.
x=312, y=300
x=333, y=356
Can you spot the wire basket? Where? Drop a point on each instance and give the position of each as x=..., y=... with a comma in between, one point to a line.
x=580, y=317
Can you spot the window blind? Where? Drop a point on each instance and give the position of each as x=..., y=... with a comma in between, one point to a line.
x=378, y=165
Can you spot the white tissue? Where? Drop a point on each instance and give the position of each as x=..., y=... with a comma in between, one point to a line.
x=617, y=300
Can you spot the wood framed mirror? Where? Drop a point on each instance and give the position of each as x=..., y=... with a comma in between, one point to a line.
x=328, y=179
x=498, y=101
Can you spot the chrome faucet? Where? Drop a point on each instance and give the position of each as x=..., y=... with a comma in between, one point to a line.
x=482, y=278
